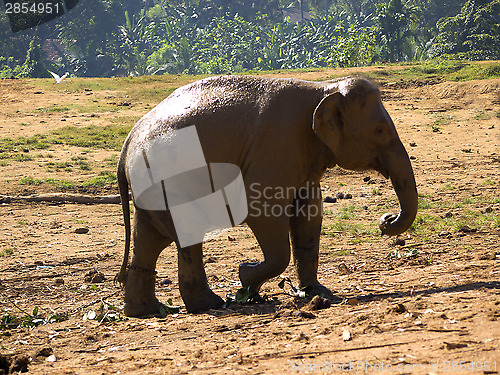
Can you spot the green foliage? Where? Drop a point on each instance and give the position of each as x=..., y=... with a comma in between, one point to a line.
x=106, y=313
x=29, y=320
x=117, y=37
x=169, y=308
x=473, y=33
x=397, y=21
x=236, y=45
x=137, y=37
x=33, y=66
x=8, y=67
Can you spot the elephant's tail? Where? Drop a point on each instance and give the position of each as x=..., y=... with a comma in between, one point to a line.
x=124, y=196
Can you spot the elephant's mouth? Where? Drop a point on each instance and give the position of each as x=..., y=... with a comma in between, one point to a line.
x=378, y=167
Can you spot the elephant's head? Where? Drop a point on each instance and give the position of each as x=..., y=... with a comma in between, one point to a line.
x=352, y=121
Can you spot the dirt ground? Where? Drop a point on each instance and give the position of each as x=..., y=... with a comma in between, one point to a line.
x=428, y=304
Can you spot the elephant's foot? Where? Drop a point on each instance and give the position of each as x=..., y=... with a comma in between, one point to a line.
x=253, y=275
x=322, y=291
x=201, y=299
x=249, y=276
x=140, y=299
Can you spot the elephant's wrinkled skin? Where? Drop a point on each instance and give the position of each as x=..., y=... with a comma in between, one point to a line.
x=281, y=133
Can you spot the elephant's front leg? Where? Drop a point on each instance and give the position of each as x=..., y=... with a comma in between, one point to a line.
x=305, y=229
x=272, y=234
x=195, y=292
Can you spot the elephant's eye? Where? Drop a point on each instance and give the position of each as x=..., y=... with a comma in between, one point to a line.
x=379, y=130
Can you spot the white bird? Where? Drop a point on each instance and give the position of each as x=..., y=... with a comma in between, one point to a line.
x=57, y=78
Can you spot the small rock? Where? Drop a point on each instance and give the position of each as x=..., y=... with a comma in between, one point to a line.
x=488, y=256
x=488, y=210
x=102, y=255
x=304, y=314
x=82, y=230
x=413, y=157
x=346, y=335
x=448, y=214
x=467, y=229
x=330, y=199
x=454, y=345
x=367, y=178
x=399, y=308
x=344, y=269
x=26, y=150
x=348, y=196
x=51, y=358
x=301, y=337
x=44, y=352
x=319, y=303
x=340, y=195
x=467, y=150
x=444, y=234
x=94, y=277
x=413, y=144
x=231, y=238
x=352, y=301
x=399, y=242
x=211, y=260
x=165, y=281
x=60, y=281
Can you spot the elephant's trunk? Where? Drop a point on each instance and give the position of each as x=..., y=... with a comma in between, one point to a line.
x=401, y=173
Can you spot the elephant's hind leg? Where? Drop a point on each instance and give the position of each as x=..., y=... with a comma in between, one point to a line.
x=195, y=292
x=140, y=299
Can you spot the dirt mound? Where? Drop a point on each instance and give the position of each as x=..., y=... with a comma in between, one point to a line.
x=459, y=90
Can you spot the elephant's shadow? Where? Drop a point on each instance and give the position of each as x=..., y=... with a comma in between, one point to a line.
x=282, y=307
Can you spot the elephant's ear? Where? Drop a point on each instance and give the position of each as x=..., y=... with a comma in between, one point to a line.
x=327, y=120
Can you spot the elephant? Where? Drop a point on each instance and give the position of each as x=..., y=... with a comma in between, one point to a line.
x=282, y=134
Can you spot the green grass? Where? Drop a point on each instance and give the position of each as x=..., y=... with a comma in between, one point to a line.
x=31, y=181
x=425, y=204
x=348, y=213
x=7, y=252
x=339, y=253
x=105, y=178
x=52, y=109
x=68, y=166
x=489, y=183
x=428, y=224
x=341, y=227
x=105, y=137
x=439, y=67
x=111, y=161
x=476, y=71
x=482, y=115
x=38, y=142
x=456, y=70
x=152, y=88
x=439, y=122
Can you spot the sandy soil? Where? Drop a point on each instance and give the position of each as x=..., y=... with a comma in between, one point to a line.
x=426, y=305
